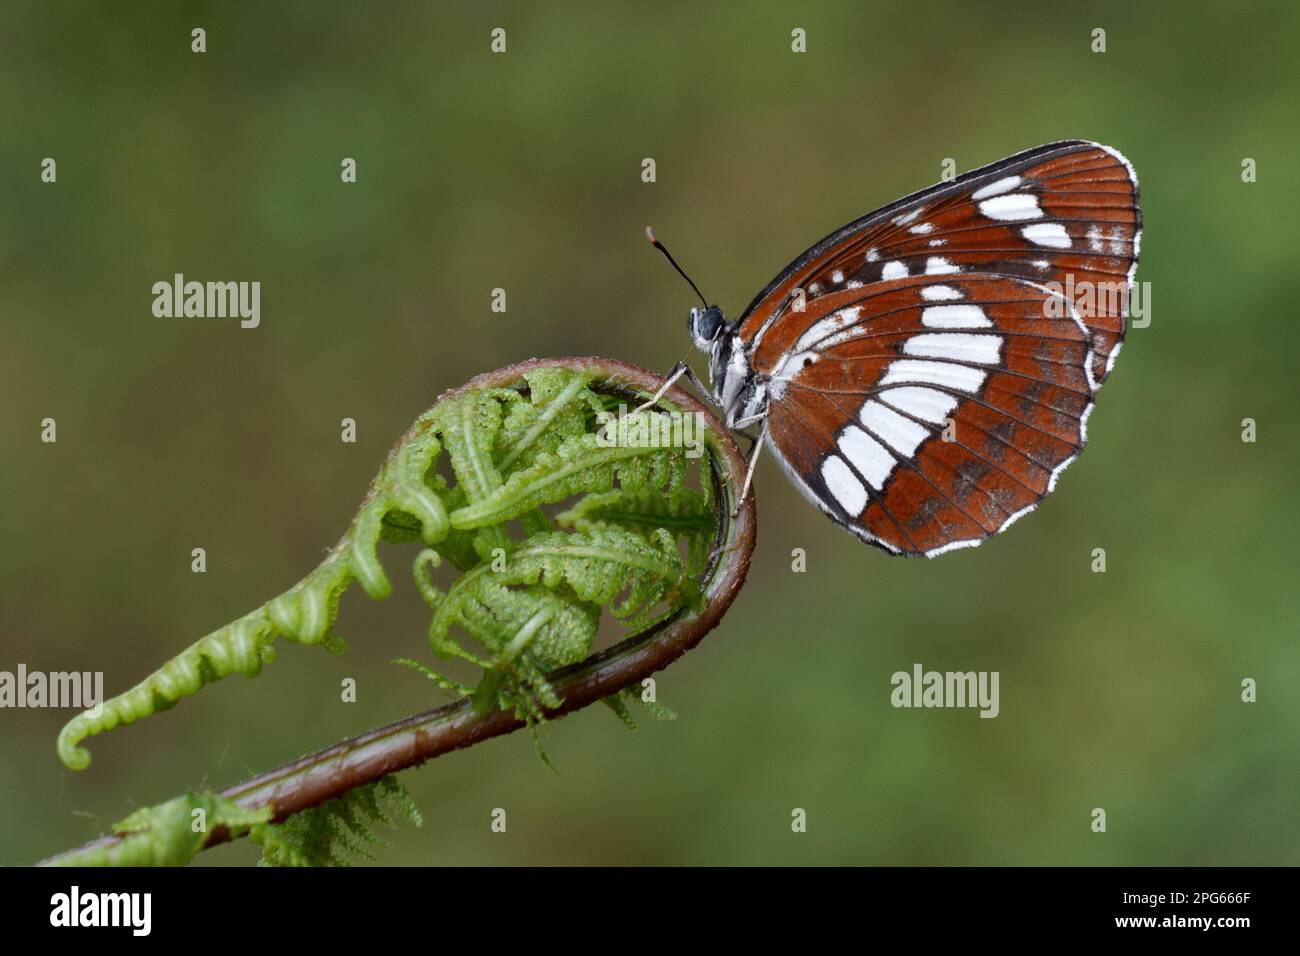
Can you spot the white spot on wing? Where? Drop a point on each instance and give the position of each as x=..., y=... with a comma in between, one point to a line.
x=895, y=430
x=872, y=255
x=818, y=499
x=939, y=266
x=1117, y=241
x=961, y=378
x=958, y=346
x=790, y=366
x=1015, y=207
x=939, y=293
x=954, y=317
x=996, y=188
x=893, y=270
x=823, y=328
x=922, y=229
x=869, y=457
x=904, y=219
x=852, y=332
x=923, y=403
x=844, y=485
x=1049, y=234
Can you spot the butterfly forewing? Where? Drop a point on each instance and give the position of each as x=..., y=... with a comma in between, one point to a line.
x=1066, y=213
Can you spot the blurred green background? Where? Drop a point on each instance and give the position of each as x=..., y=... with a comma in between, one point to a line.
x=1118, y=690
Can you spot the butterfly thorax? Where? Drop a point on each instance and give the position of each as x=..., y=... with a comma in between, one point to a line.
x=738, y=390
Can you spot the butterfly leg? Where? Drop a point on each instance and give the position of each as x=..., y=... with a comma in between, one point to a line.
x=739, y=426
x=696, y=384
x=749, y=473
x=717, y=552
x=682, y=368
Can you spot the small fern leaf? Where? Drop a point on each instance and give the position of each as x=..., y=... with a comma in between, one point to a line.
x=337, y=830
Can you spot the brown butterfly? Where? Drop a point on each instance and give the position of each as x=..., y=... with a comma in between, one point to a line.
x=925, y=373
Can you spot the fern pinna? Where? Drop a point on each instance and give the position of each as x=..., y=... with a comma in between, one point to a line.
x=550, y=525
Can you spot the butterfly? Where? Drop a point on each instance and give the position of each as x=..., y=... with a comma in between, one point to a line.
x=925, y=373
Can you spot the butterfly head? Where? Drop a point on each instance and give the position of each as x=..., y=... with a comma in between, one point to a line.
x=706, y=327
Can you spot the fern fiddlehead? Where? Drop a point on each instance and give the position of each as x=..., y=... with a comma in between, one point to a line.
x=651, y=505
x=305, y=613
x=531, y=605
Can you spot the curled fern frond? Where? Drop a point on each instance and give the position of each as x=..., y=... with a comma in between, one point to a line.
x=541, y=610
x=582, y=463
x=305, y=613
x=688, y=514
x=531, y=603
x=639, y=541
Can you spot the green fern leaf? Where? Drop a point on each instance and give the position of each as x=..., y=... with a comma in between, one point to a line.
x=337, y=830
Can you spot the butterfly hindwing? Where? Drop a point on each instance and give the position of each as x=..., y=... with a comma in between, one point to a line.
x=929, y=412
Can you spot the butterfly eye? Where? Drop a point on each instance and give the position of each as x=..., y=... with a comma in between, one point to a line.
x=705, y=324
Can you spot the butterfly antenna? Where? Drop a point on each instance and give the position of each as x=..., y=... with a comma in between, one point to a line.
x=650, y=234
